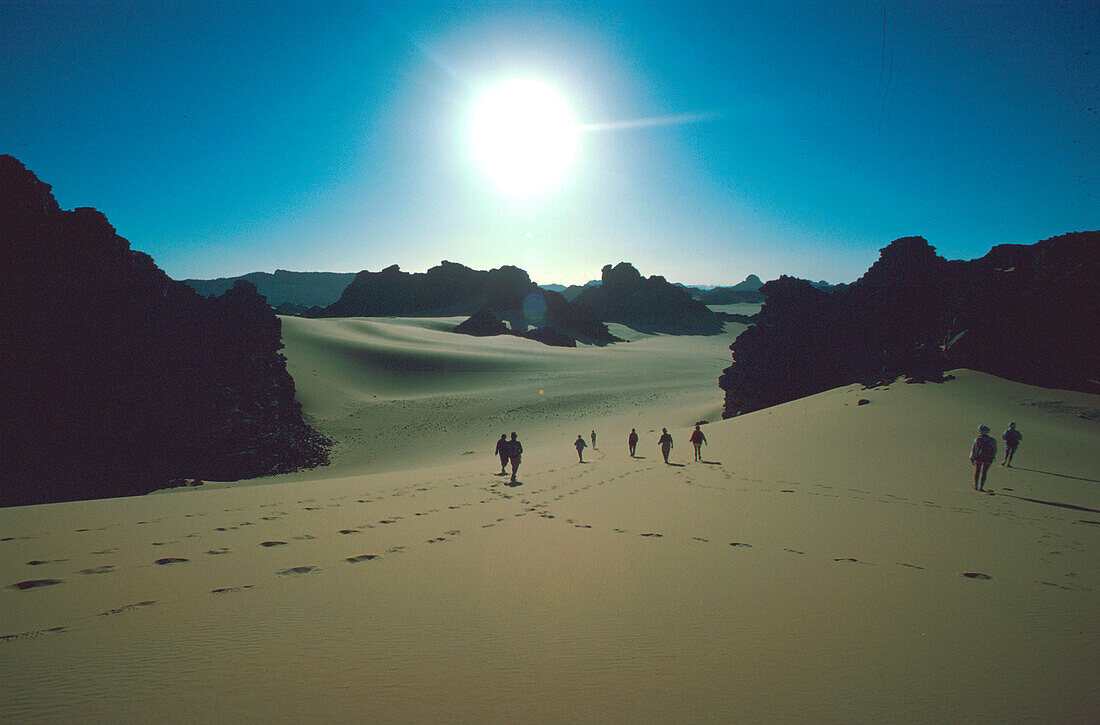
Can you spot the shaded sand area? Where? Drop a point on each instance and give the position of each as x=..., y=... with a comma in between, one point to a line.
x=827, y=561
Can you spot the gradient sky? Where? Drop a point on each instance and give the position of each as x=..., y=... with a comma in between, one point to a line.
x=729, y=137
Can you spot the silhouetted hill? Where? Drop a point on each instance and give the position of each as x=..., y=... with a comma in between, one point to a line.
x=747, y=291
x=573, y=291
x=285, y=291
x=1022, y=312
x=445, y=290
x=454, y=289
x=648, y=304
x=116, y=379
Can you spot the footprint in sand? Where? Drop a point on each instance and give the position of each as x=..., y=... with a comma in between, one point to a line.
x=40, y=562
x=127, y=608
x=171, y=560
x=651, y=534
x=305, y=537
x=700, y=538
x=846, y=558
x=740, y=544
x=32, y=634
x=106, y=568
x=349, y=531
x=975, y=575
x=294, y=570
x=360, y=558
x=230, y=590
x=911, y=566
x=795, y=551
x=1055, y=586
x=272, y=543
x=35, y=583
x=221, y=550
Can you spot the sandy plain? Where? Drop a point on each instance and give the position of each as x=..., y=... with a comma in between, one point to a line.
x=826, y=561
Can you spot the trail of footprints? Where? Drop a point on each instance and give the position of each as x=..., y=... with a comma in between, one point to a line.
x=495, y=492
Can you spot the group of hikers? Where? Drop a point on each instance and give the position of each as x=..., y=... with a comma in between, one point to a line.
x=984, y=451
x=665, y=442
x=510, y=451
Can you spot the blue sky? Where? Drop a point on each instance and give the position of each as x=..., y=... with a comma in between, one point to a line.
x=797, y=137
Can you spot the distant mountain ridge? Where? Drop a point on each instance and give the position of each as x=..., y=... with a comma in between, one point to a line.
x=284, y=290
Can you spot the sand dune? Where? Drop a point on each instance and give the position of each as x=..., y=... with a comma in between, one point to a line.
x=826, y=561
x=408, y=393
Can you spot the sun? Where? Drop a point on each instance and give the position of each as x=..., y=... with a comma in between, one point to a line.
x=523, y=135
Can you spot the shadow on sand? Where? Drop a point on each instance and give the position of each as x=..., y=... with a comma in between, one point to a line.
x=1047, y=503
x=712, y=463
x=678, y=465
x=1050, y=473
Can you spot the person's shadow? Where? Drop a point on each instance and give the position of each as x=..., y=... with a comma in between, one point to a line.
x=1059, y=504
x=712, y=463
x=1050, y=473
x=678, y=465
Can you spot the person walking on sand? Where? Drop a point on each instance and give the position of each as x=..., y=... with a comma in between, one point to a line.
x=632, y=441
x=982, y=455
x=666, y=443
x=1012, y=438
x=579, y=443
x=502, y=451
x=593, y=440
x=697, y=440
x=515, y=451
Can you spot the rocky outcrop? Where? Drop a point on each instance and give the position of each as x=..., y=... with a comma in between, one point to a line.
x=747, y=291
x=1022, y=312
x=482, y=323
x=648, y=304
x=287, y=292
x=117, y=379
x=506, y=294
x=449, y=289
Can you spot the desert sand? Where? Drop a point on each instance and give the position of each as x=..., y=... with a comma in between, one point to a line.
x=826, y=562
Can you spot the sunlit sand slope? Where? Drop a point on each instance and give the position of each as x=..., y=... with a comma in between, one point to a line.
x=400, y=393
x=825, y=562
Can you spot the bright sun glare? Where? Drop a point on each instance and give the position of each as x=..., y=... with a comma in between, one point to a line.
x=524, y=136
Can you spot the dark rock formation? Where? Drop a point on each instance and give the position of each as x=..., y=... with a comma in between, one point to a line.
x=287, y=292
x=449, y=289
x=1026, y=313
x=506, y=294
x=116, y=379
x=747, y=291
x=482, y=323
x=485, y=323
x=648, y=305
